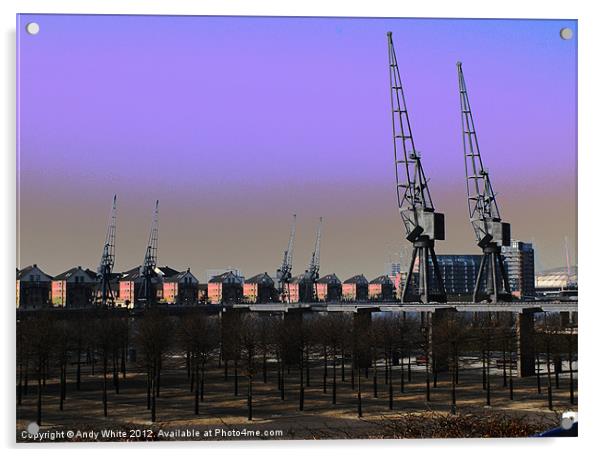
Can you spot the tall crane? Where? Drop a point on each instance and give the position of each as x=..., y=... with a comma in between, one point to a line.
x=313, y=270
x=483, y=211
x=284, y=273
x=422, y=224
x=104, y=295
x=146, y=292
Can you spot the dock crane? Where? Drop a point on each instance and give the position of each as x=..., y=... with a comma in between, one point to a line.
x=313, y=270
x=284, y=273
x=422, y=224
x=104, y=295
x=146, y=292
x=491, y=233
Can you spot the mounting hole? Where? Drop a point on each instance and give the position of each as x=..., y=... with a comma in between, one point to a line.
x=566, y=423
x=33, y=428
x=566, y=33
x=33, y=28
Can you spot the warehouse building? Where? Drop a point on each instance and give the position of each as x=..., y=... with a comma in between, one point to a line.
x=33, y=288
x=381, y=289
x=329, y=288
x=74, y=288
x=355, y=288
x=225, y=288
x=259, y=289
x=181, y=288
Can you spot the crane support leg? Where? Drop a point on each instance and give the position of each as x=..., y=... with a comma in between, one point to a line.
x=423, y=249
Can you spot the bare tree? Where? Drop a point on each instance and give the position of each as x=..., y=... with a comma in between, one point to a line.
x=153, y=338
x=249, y=338
x=41, y=339
x=199, y=335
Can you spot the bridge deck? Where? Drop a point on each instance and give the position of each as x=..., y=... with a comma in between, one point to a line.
x=352, y=307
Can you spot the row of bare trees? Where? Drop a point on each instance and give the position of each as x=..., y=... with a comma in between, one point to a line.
x=344, y=348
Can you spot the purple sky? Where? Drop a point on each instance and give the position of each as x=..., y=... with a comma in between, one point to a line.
x=236, y=123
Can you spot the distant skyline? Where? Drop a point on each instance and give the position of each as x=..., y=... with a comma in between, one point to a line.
x=236, y=123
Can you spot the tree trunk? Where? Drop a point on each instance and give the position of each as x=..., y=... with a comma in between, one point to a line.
x=154, y=393
x=401, y=375
x=410, y=364
x=250, y=398
x=391, y=391
x=115, y=373
x=301, y=385
x=197, y=390
x=20, y=386
x=236, y=377
x=359, y=393
x=307, y=367
x=488, y=375
x=325, y=375
x=104, y=385
x=203, y=380
x=149, y=383
x=375, y=379
x=453, y=379
x=334, y=376
x=188, y=365
x=549, y=376
x=537, y=371
x=505, y=382
x=282, y=376
x=158, y=380
x=39, y=411
x=571, y=380
x=78, y=373
x=26, y=380
x=124, y=351
x=483, y=368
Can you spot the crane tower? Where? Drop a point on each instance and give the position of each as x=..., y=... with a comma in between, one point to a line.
x=491, y=233
x=421, y=223
x=146, y=293
x=104, y=294
x=313, y=270
x=284, y=273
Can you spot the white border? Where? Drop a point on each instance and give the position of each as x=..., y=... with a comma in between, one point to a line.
x=590, y=103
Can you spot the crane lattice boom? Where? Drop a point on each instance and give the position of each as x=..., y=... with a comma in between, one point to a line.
x=482, y=205
x=483, y=212
x=314, y=263
x=421, y=223
x=105, y=269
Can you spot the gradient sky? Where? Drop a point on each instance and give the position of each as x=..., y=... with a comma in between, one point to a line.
x=236, y=123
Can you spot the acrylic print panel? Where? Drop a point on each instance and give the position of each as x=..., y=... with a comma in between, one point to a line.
x=295, y=228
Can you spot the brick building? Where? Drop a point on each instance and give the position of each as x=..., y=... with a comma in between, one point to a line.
x=328, y=288
x=355, y=288
x=130, y=284
x=33, y=288
x=381, y=289
x=225, y=288
x=181, y=288
x=259, y=289
x=74, y=288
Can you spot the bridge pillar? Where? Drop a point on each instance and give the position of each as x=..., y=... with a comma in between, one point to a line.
x=362, y=324
x=568, y=318
x=439, y=339
x=525, y=343
x=293, y=320
x=230, y=320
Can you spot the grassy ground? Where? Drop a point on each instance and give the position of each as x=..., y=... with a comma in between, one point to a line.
x=223, y=414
